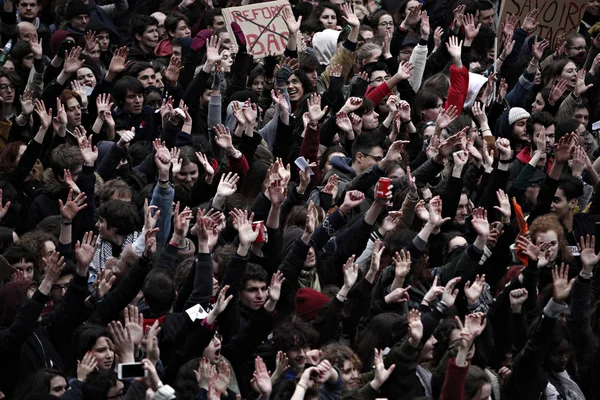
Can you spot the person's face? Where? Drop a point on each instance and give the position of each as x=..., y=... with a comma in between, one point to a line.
x=538, y=77
x=28, y=9
x=104, y=231
x=578, y=45
x=519, y=130
x=58, y=386
x=313, y=76
x=254, y=295
x=60, y=288
x=550, y=139
x=73, y=109
x=428, y=132
x=385, y=25
x=258, y=84
x=560, y=205
x=160, y=17
x=28, y=61
x=582, y=115
x=411, y=5
x=375, y=54
x=426, y=353
x=538, y=104
x=368, y=160
x=206, y=96
x=218, y=23
x=182, y=30
x=593, y=7
x=9, y=66
x=349, y=374
x=150, y=37
x=484, y=393
x=378, y=77
x=27, y=31
x=86, y=77
x=95, y=52
x=226, y=61
x=397, y=173
x=153, y=99
x=328, y=18
x=79, y=22
x=370, y=121
x=367, y=36
x=294, y=87
x=311, y=259
x=531, y=194
x=559, y=357
x=133, y=102
x=104, y=353
x=358, y=2
x=486, y=17
x=430, y=114
x=116, y=392
x=147, y=77
x=297, y=357
x=307, y=38
x=462, y=212
x=212, y=352
x=225, y=40
x=103, y=40
x=406, y=52
x=187, y=176
x=328, y=165
x=7, y=90
x=26, y=267
x=549, y=237
x=569, y=72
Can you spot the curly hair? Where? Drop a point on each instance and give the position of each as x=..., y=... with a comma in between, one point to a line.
x=547, y=223
x=337, y=353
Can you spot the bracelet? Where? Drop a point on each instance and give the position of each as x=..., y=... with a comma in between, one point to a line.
x=486, y=130
x=342, y=296
x=66, y=222
x=174, y=243
x=165, y=182
x=301, y=385
x=406, y=122
x=586, y=275
x=500, y=58
x=504, y=161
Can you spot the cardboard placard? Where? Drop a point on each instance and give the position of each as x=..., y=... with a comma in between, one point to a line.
x=263, y=26
x=556, y=17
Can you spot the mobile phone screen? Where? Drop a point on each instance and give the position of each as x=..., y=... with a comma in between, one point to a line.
x=131, y=370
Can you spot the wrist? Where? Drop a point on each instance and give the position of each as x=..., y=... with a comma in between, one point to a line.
x=413, y=342
x=516, y=309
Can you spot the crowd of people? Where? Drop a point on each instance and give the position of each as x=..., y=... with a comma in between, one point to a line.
x=390, y=209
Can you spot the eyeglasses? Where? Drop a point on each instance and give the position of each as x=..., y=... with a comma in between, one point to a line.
x=390, y=23
x=376, y=158
x=116, y=396
x=380, y=79
x=56, y=288
x=578, y=48
x=5, y=87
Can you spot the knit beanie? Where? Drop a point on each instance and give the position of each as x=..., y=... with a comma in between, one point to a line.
x=517, y=113
x=75, y=8
x=309, y=302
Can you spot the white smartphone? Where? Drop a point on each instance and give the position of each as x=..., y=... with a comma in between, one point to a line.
x=131, y=370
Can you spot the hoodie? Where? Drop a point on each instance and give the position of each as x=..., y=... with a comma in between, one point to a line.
x=476, y=82
x=342, y=166
x=325, y=45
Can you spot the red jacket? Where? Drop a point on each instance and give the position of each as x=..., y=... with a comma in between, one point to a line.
x=459, y=86
x=454, y=382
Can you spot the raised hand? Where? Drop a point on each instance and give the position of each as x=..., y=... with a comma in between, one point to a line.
x=212, y=50
x=343, y=122
x=561, y=286
x=277, y=192
x=118, y=63
x=413, y=17
x=517, y=298
x=398, y=295
x=278, y=99
x=134, y=323
x=261, y=382
x=415, y=328
x=565, y=148
x=122, y=342
x=480, y=222
x=26, y=100
x=69, y=210
x=475, y=323
x=588, y=255
x=89, y=152
x=435, y=212
x=421, y=210
x=405, y=70
x=473, y=292
x=454, y=49
x=580, y=86
x=503, y=148
x=84, y=251
x=531, y=22
x=350, y=272
x=537, y=50
x=86, y=365
x=171, y=73
x=222, y=137
x=315, y=113
x=292, y=23
x=433, y=293
x=504, y=205
x=381, y=374
x=471, y=30
x=459, y=15
x=402, y=263
x=243, y=224
x=352, y=104
x=72, y=62
x=450, y=292
x=281, y=365
x=45, y=116
x=227, y=184
x=349, y=16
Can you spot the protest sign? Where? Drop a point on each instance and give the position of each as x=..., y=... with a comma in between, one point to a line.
x=556, y=17
x=263, y=26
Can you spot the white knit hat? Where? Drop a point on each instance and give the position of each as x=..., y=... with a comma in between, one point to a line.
x=517, y=113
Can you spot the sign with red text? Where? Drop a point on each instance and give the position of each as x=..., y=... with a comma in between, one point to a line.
x=556, y=17
x=263, y=25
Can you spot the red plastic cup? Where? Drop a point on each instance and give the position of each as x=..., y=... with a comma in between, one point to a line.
x=382, y=187
x=258, y=225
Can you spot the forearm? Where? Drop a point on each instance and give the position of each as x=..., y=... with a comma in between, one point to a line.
x=65, y=236
x=372, y=213
x=273, y=218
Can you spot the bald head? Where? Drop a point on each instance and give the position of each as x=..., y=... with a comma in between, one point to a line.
x=160, y=17
x=27, y=31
